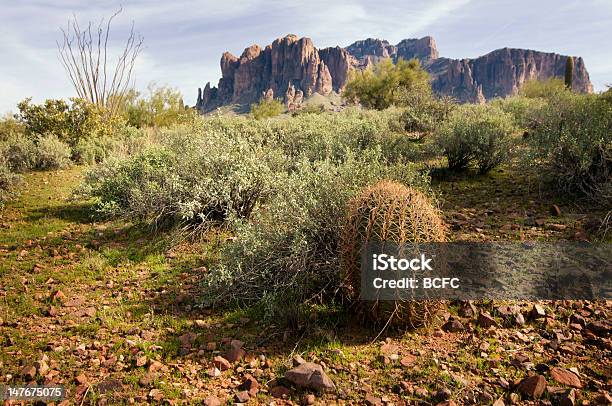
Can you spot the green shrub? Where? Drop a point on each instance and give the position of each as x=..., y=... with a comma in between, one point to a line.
x=190, y=177
x=387, y=84
x=10, y=128
x=286, y=258
x=7, y=180
x=544, y=89
x=52, y=153
x=20, y=152
x=524, y=110
x=427, y=115
x=572, y=141
x=162, y=106
x=70, y=121
x=476, y=134
x=267, y=109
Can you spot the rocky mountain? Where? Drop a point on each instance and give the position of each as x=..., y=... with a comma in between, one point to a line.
x=291, y=68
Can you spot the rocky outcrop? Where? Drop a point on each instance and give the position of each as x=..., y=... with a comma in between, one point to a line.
x=291, y=66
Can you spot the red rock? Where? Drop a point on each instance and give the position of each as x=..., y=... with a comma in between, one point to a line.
x=211, y=401
x=408, y=360
x=28, y=372
x=309, y=399
x=81, y=379
x=242, y=396
x=235, y=354
x=371, y=400
x=447, y=403
x=499, y=402
x=532, y=386
x=310, y=375
x=565, y=377
x=222, y=363
x=250, y=385
x=155, y=366
x=280, y=392
x=486, y=320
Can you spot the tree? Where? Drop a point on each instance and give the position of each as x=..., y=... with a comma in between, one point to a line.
x=569, y=72
x=545, y=89
x=266, y=109
x=85, y=57
x=387, y=84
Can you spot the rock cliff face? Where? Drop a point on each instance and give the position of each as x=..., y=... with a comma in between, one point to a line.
x=292, y=65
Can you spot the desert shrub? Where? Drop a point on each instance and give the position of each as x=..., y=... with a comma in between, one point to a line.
x=10, y=128
x=70, y=121
x=387, y=84
x=189, y=177
x=52, y=153
x=161, y=106
x=266, y=109
x=126, y=141
x=7, y=180
x=427, y=114
x=476, y=134
x=286, y=258
x=20, y=152
x=572, y=140
x=524, y=110
x=388, y=212
x=544, y=89
x=309, y=109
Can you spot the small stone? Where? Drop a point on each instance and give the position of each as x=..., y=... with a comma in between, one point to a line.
x=519, y=319
x=155, y=366
x=387, y=349
x=565, y=377
x=222, y=363
x=213, y=372
x=59, y=296
x=146, y=379
x=211, y=401
x=310, y=375
x=486, y=320
x=200, y=323
x=568, y=398
x=532, y=386
x=250, y=385
x=555, y=210
x=280, y=392
x=297, y=360
x=42, y=367
x=499, y=402
x=453, y=326
x=156, y=395
x=235, y=354
x=242, y=396
x=109, y=385
x=309, y=399
x=537, y=312
x=408, y=360
x=467, y=309
x=141, y=361
x=211, y=346
x=371, y=400
x=81, y=379
x=28, y=372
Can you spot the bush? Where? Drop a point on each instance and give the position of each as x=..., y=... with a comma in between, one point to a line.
x=20, y=153
x=572, y=140
x=476, y=134
x=162, y=107
x=286, y=258
x=7, y=180
x=388, y=84
x=524, y=110
x=190, y=177
x=544, y=89
x=388, y=212
x=52, y=153
x=267, y=109
x=69, y=122
x=427, y=115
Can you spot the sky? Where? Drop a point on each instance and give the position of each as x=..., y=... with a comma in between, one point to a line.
x=184, y=39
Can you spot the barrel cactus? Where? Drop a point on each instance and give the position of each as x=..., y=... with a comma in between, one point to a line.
x=388, y=212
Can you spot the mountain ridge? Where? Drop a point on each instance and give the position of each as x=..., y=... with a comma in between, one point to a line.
x=292, y=68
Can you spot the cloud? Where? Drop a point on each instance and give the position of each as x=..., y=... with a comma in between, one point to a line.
x=184, y=39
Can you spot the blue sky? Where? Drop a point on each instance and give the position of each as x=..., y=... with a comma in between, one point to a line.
x=184, y=39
